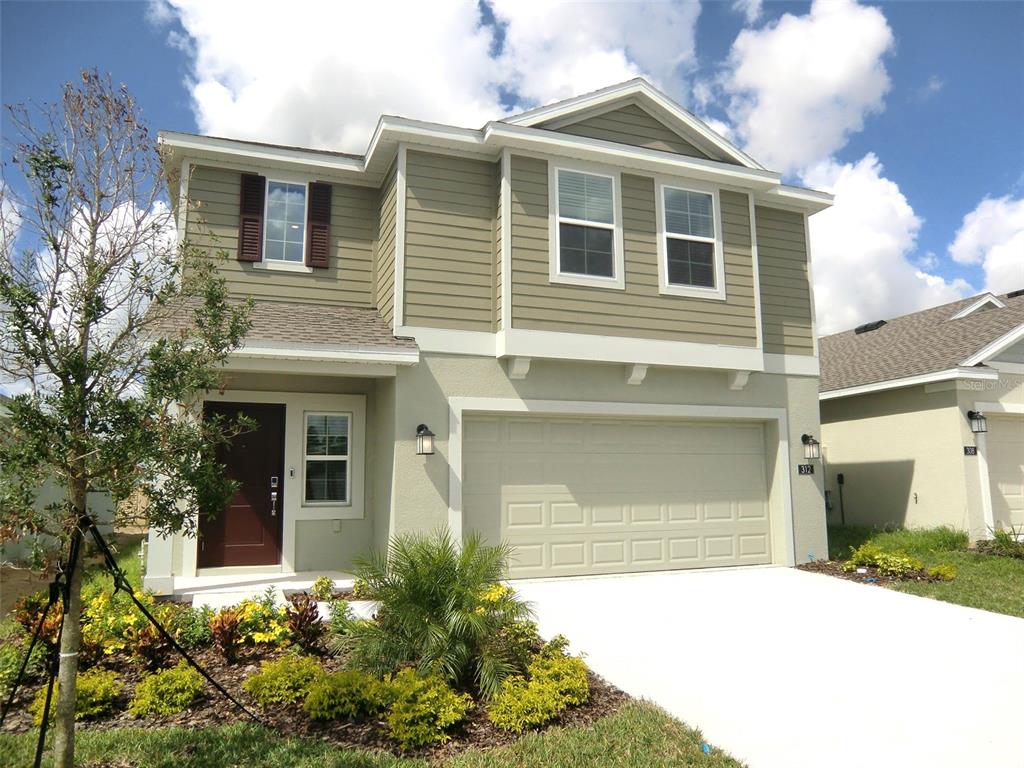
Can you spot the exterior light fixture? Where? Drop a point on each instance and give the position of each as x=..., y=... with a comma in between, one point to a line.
x=978, y=421
x=424, y=441
x=812, y=448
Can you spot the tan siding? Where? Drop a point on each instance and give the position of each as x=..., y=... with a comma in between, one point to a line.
x=632, y=125
x=639, y=310
x=385, y=256
x=785, y=291
x=212, y=224
x=451, y=204
x=498, y=252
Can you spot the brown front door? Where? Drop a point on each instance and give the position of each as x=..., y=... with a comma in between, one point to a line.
x=248, y=530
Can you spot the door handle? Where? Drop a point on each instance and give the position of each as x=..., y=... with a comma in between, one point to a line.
x=273, y=503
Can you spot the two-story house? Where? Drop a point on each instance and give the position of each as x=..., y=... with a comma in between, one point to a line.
x=586, y=329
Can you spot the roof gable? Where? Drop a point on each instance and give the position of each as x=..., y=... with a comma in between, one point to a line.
x=637, y=93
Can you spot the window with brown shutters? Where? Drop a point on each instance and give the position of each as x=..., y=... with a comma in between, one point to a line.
x=318, y=244
x=250, y=226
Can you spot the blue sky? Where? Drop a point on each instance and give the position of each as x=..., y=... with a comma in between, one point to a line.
x=946, y=131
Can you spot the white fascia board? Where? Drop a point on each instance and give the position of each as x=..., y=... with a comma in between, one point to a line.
x=988, y=298
x=452, y=342
x=190, y=143
x=330, y=352
x=952, y=374
x=809, y=201
x=997, y=346
x=791, y=365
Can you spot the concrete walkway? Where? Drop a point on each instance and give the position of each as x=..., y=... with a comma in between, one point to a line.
x=786, y=669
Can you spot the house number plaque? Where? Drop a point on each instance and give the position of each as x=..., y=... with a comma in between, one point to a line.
x=805, y=469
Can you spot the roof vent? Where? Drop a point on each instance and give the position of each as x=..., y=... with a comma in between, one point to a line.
x=867, y=327
x=1015, y=294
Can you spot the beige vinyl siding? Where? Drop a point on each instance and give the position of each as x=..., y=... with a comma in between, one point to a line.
x=785, y=289
x=385, y=256
x=212, y=224
x=451, y=204
x=634, y=126
x=639, y=310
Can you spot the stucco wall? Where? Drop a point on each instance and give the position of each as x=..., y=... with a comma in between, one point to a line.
x=422, y=392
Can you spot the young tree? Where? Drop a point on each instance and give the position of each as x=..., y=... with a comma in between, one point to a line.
x=90, y=268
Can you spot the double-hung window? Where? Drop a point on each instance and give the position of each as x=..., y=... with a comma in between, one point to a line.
x=285, y=236
x=327, y=458
x=586, y=230
x=690, y=242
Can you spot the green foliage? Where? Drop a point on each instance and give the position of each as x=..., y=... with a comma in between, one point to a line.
x=284, y=680
x=1005, y=542
x=441, y=608
x=360, y=589
x=167, y=692
x=347, y=695
x=556, y=682
x=323, y=588
x=261, y=622
x=341, y=618
x=424, y=709
x=14, y=642
x=226, y=631
x=96, y=693
x=942, y=572
x=892, y=564
x=919, y=542
x=192, y=627
x=302, y=616
x=567, y=675
x=519, y=641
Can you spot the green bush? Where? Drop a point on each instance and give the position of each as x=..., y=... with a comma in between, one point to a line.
x=566, y=675
x=192, y=627
x=96, y=692
x=893, y=564
x=14, y=642
x=441, y=607
x=1005, y=542
x=556, y=682
x=347, y=695
x=167, y=692
x=424, y=709
x=341, y=618
x=323, y=588
x=943, y=572
x=283, y=681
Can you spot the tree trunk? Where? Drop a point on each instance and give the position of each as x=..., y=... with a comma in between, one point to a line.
x=70, y=643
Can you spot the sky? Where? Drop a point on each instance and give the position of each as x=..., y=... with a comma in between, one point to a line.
x=911, y=113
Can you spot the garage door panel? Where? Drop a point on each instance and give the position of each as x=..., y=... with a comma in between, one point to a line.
x=1005, y=455
x=579, y=496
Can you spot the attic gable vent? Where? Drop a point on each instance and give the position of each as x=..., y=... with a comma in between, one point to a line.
x=1015, y=294
x=867, y=327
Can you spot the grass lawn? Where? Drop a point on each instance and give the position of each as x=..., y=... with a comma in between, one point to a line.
x=982, y=581
x=639, y=736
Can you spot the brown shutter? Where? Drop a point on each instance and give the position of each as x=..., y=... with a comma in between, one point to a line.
x=318, y=246
x=250, y=225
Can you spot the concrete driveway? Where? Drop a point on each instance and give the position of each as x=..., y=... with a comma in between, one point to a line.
x=786, y=669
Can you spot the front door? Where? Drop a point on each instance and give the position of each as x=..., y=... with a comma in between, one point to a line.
x=248, y=530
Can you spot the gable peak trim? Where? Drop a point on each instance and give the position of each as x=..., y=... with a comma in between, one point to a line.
x=981, y=303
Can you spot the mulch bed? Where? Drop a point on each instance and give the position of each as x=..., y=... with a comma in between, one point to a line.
x=871, y=576
x=214, y=709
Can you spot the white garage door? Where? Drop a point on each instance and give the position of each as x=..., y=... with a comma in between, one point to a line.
x=592, y=495
x=1005, y=454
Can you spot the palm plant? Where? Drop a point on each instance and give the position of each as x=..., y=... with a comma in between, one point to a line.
x=441, y=609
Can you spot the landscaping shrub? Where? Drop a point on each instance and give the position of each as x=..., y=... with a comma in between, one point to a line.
x=283, y=681
x=1004, y=543
x=304, y=623
x=14, y=642
x=556, y=682
x=167, y=691
x=424, y=709
x=323, y=588
x=29, y=608
x=192, y=627
x=341, y=618
x=261, y=622
x=225, y=626
x=441, y=607
x=520, y=641
x=347, y=695
x=943, y=572
x=567, y=675
x=893, y=564
x=96, y=692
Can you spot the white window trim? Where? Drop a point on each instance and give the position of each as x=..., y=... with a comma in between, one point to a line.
x=285, y=266
x=347, y=458
x=555, y=275
x=693, y=291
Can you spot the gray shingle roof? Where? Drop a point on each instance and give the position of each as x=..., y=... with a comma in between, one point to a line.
x=915, y=344
x=302, y=323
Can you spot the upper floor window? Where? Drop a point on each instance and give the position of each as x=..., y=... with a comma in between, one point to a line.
x=587, y=233
x=690, y=242
x=285, y=234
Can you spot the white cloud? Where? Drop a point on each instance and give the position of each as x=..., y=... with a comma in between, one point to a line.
x=751, y=9
x=556, y=50
x=800, y=86
x=861, y=249
x=992, y=235
x=931, y=88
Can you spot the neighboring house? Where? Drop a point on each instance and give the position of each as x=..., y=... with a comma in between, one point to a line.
x=601, y=308
x=895, y=403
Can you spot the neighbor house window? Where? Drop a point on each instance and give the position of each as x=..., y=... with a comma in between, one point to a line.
x=285, y=237
x=588, y=247
x=327, y=458
x=690, y=247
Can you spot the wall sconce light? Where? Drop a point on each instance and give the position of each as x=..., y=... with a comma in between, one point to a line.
x=812, y=448
x=424, y=441
x=978, y=421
